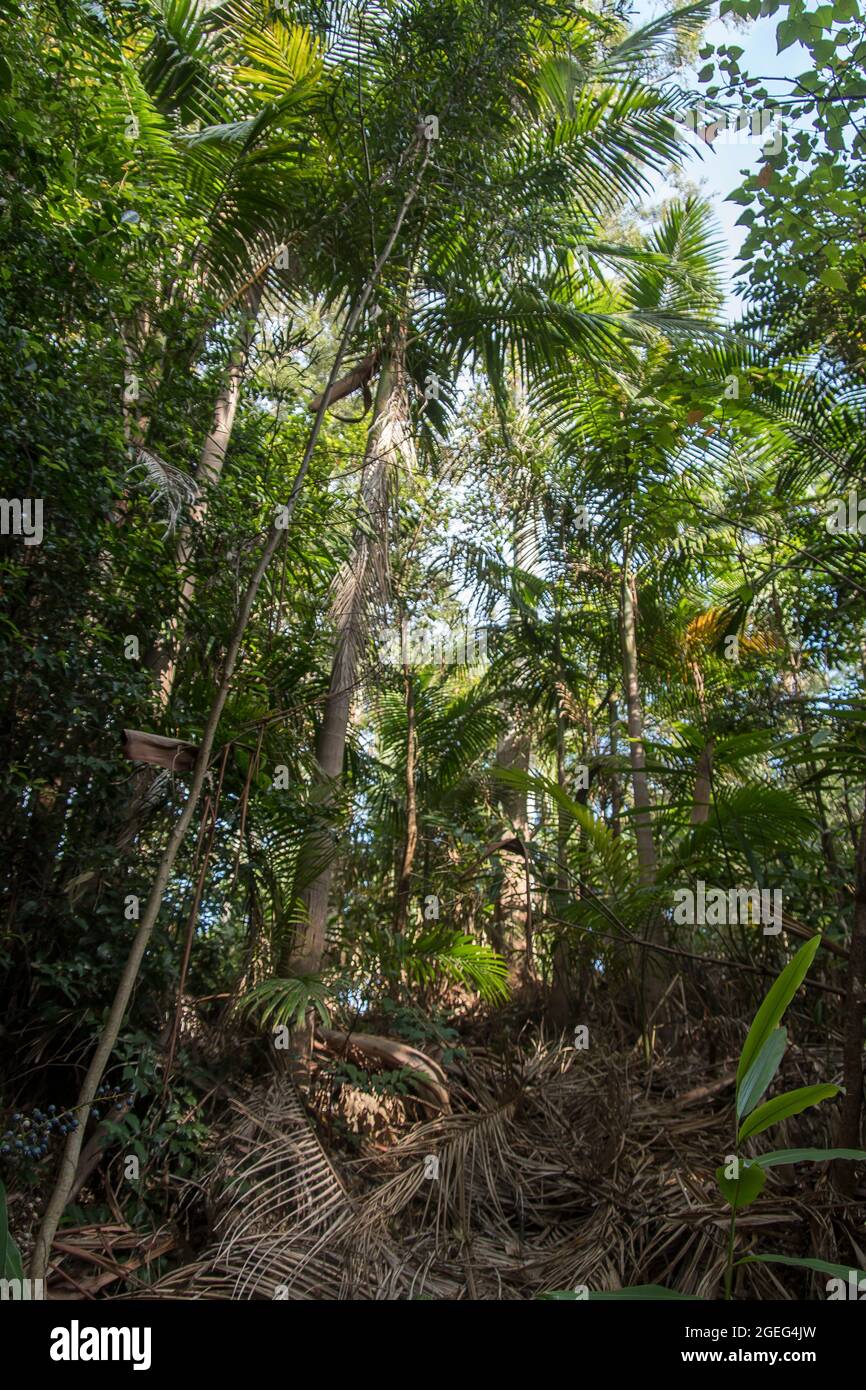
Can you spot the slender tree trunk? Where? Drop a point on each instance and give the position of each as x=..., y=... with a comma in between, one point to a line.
x=511, y=934
x=277, y=534
x=654, y=968
x=410, y=845
x=615, y=792
x=560, y=994
x=703, y=784
x=163, y=657
x=646, y=850
x=511, y=917
x=704, y=769
x=851, y=1106
x=386, y=440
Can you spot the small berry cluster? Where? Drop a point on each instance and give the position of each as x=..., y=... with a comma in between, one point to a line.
x=29, y=1135
x=107, y=1094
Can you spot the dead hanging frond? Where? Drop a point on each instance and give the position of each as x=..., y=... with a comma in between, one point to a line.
x=158, y=790
x=171, y=754
x=170, y=488
x=357, y=379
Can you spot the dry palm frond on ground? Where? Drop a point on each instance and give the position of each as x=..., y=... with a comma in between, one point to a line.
x=556, y=1168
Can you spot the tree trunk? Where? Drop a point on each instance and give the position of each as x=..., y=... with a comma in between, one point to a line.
x=851, y=1105
x=163, y=657
x=559, y=1008
x=703, y=784
x=646, y=850
x=404, y=886
x=615, y=793
x=653, y=970
x=511, y=934
x=386, y=441
x=511, y=924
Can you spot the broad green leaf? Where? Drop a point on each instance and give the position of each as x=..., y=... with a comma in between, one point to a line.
x=833, y=279
x=777, y=1156
x=792, y=275
x=781, y=1107
x=761, y=1072
x=779, y=997
x=820, y=1266
x=11, y=1266
x=740, y=1192
x=785, y=35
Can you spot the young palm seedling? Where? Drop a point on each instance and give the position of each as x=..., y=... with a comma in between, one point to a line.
x=741, y=1178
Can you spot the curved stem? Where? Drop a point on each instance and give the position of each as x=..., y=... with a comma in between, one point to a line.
x=105, y=1046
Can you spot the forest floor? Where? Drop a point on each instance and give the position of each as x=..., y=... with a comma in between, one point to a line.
x=549, y=1167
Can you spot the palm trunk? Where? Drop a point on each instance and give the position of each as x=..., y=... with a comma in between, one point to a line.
x=560, y=995
x=646, y=850
x=653, y=970
x=703, y=784
x=615, y=793
x=512, y=925
x=851, y=1105
x=111, y=1029
x=511, y=933
x=385, y=441
x=162, y=659
x=704, y=769
x=404, y=887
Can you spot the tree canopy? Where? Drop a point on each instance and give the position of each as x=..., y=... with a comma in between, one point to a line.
x=433, y=650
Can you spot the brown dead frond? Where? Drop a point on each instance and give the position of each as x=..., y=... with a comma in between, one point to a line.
x=555, y=1168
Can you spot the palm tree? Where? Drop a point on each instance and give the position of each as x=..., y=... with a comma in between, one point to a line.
x=629, y=445
x=246, y=160
x=580, y=140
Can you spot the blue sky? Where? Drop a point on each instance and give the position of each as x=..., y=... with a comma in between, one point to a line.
x=719, y=172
